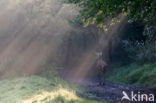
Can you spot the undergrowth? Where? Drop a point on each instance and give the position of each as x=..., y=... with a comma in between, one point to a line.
x=136, y=74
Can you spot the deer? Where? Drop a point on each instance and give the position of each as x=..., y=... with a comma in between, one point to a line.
x=101, y=66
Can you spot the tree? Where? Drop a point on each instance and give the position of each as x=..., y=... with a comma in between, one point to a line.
x=143, y=11
x=97, y=11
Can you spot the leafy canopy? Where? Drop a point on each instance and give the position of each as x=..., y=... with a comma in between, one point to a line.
x=97, y=11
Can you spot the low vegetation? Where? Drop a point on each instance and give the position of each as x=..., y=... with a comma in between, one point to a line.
x=37, y=89
x=136, y=74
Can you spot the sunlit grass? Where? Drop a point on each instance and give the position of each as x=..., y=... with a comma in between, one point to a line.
x=20, y=88
x=36, y=89
x=45, y=96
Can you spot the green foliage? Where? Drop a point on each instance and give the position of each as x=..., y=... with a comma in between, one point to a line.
x=97, y=11
x=134, y=74
x=104, y=13
x=145, y=75
x=139, y=46
x=118, y=73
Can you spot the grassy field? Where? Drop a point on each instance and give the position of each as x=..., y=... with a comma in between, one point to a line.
x=37, y=89
x=135, y=74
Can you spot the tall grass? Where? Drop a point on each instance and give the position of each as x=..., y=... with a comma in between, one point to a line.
x=135, y=74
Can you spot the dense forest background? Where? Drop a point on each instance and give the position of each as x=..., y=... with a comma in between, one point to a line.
x=138, y=35
x=126, y=37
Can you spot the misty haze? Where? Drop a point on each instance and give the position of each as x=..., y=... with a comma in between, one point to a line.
x=76, y=51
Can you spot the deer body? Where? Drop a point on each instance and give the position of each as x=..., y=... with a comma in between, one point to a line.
x=101, y=64
x=101, y=67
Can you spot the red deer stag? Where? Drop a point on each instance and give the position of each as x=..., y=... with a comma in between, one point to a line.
x=101, y=66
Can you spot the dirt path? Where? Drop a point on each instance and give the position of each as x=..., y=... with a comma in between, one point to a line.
x=110, y=92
